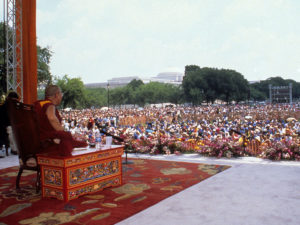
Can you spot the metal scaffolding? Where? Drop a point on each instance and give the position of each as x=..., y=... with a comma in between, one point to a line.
x=281, y=94
x=14, y=57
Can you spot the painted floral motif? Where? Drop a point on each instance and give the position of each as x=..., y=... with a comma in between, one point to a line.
x=160, y=180
x=136, y=175
x=89, y=202
x=56, y=218
x=129, y=190
x=14, y=209
x=42, y=160
x=93, y=188
x=51, y=162
x=92, y=172
x=211, y=169
x=171, y=188
x=89, y=158
x=140, y=164
x=5, y=186
x=49, y=192
x=101, y=216
x=23, y=194
x=53, y=177
x=172, y=171
x=139, y=199
x=104, y=154
x=109, y=205
x=73, y=161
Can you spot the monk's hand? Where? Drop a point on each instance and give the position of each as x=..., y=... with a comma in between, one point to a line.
x=56, y=141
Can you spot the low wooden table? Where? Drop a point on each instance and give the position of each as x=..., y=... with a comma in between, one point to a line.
x=88, y=170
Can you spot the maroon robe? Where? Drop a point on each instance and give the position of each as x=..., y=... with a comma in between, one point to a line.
x=48, y=133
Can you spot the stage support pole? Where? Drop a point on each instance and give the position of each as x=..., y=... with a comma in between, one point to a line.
x=29, y=50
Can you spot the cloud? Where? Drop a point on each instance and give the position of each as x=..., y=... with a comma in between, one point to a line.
x=98, y=40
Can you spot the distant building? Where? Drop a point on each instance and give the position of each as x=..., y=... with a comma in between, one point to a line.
x=166, y=77
x=113, y=83
x=255, y=81
x=96, y=85
x=169, y=77
x=121, y=81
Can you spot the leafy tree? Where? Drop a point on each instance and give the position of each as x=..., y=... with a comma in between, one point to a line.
x=151, y=93
x=193, y=80
x=129, y=95
x=41, y=93
x=3, y=82
x=263, y=87
x=134, y=84
x=174, y=94
x=191, y=68
x=240, y=85
x=197, y=96
x=256, y=95
x=190, y=81
x=118, y=96
x=226, y=85
x=131, y=91
x=44, y=75
x=210, y=84
x=74, y=92
x=2, y=60
x=140, y=96
x=95, y=97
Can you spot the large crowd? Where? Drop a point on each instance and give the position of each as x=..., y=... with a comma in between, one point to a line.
x=177, y=129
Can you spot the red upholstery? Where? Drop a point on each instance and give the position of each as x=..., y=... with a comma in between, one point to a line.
x=25, y=129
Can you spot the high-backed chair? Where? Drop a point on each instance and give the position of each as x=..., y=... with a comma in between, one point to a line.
x=24, y=124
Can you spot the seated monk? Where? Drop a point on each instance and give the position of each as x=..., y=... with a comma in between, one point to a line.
x=52, y=135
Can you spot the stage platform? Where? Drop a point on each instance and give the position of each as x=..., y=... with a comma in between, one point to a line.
x=253, y=191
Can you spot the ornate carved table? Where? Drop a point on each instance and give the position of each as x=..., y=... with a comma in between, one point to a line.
x=88, y=170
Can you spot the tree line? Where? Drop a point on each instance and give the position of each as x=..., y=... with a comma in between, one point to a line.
x=199, y=86
x=211, y=84
x=136, y=93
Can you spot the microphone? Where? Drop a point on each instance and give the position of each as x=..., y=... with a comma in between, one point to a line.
x=108, y=134
x=235, y=131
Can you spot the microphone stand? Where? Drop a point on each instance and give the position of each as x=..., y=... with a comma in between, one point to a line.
x=101, y=130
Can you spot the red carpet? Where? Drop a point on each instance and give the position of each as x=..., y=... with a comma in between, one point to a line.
x=145, y=183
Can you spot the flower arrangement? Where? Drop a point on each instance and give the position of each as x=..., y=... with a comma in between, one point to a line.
x=281, y=150
x=222, y=148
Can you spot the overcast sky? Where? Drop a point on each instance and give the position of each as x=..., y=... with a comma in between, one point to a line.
x=101, y=39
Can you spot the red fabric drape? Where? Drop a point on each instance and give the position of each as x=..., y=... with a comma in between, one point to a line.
x=29, y=49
